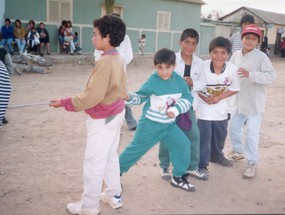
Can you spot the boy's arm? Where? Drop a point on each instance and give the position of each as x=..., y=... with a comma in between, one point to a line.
x=266, y=75
x=94, y=92
x=184, y=103
x=141, y=95
x=199, y=82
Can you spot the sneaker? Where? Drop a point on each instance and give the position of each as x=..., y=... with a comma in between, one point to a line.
x=222, y=161
x=115, y=202
x=4, y=120
x=235, y=156
x=250, y=171
x=76, y=208
x=204, y=170
x=165, y=174
x=182, y=183
x=198, y=174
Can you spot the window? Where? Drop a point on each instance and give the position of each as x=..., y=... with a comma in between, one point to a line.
x=59, y=10
x=163, y=20
x=116, y=9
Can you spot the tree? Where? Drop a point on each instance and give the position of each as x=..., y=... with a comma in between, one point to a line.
x=109, y=4
x=215, y=14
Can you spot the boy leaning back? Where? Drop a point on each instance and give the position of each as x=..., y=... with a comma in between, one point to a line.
x=256, y=72
x=103, y=101
x=166, y=95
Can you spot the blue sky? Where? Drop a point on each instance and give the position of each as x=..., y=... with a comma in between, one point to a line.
x=227, y=6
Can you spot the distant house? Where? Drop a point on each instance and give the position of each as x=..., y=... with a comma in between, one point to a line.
x=272, y=24
x=162, y=21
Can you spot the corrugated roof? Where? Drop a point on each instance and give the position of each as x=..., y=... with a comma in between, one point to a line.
x=267, y=16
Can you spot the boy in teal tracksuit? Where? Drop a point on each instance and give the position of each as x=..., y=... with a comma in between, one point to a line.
x=166, y=95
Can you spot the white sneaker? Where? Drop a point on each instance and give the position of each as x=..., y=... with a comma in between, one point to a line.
x=250, y=171
x=165, y=174
x=198, y=174
x=115, y=202
x=235, y=156
x=76, y=208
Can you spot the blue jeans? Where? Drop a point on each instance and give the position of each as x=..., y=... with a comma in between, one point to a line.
x=7, y=42
x=212, y=140
x=131, y=121
x=20, y=44
x=252, y=128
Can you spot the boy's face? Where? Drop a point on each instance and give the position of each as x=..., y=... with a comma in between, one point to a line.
x=98, y=41
x=188, y=46
x=219, y=55
x=164, y=71
x=249, y=42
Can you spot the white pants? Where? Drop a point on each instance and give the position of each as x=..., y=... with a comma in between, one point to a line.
x=253, y=124
x=101, y=161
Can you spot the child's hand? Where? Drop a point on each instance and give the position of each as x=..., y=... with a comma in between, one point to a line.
x=170, y=114
x=54, y=103
x=214, y=100
x=127, y=98
x=243, y=73
x=189, y=81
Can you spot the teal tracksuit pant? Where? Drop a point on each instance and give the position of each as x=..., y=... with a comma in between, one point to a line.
x=149, y=133
x=194, y=136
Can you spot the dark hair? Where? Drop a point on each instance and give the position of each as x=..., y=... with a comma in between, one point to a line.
x=221, y=42
x=69, y=23
x=17, y=20
x=165, y=56
x=33, y=22
x=247, y=18
x=189, y=32
x=63, y=22
x=111, y=26
x=7, y=19
x=143, y=35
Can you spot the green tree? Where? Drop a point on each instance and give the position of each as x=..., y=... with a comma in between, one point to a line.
x=109, y=4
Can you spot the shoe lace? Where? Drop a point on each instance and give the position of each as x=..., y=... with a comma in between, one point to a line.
x=199, y=172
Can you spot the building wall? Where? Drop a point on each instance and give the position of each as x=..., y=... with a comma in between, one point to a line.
x=140, y=17
x=207, y=33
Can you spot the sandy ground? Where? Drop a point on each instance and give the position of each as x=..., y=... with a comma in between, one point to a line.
x=41, y=155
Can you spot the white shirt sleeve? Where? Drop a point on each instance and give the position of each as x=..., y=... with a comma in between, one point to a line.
x=126, y=51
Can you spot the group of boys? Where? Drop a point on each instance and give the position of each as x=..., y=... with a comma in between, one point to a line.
x=168, y=112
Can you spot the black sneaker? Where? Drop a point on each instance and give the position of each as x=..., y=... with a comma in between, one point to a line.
x=222, y=161
x=4, y=120
x=182, y=183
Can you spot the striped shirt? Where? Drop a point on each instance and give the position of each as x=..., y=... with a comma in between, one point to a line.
x=162, y=96
x=236, y=42
x=252, y=95
x=5, y=90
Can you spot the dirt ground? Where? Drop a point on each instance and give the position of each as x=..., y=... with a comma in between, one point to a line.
x=42, y=149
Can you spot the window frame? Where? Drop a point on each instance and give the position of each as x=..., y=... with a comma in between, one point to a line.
x=161, y=26
x=60, y=13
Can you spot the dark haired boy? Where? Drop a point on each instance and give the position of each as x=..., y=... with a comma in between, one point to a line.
x=188, y=67
x=222, y=81
x=166, y=95
x=256, y=73
x=103, y=101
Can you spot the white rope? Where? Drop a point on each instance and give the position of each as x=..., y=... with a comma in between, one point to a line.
x=28, y=105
